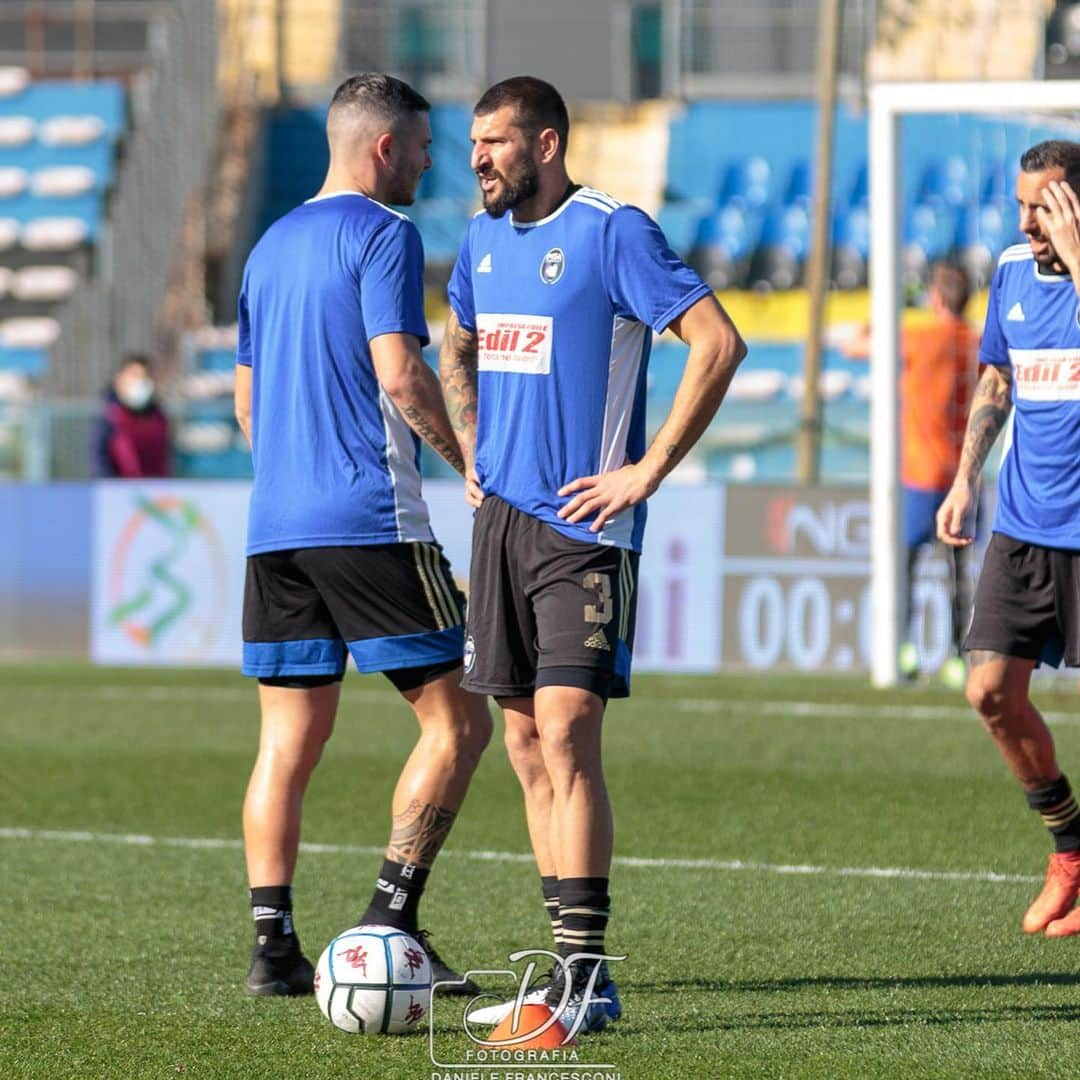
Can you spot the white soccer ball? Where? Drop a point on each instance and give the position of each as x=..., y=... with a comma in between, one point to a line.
x=374, y=980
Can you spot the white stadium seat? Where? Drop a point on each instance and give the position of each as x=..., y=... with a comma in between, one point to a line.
x=831, y=385
x=13, y=181
x=9, y=233
x=71, y=130
x=14, y=387
x=16, y=130
x=756, y=385
x=6, y=274
x=205, y=437
x=44, y=283
x=13, y=80
x=53, y=234
x=63, y=180
x=29, y=333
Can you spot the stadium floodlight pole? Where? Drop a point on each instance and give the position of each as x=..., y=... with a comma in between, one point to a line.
x=888, y=102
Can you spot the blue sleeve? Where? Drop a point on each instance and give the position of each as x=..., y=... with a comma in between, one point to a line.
x=994, y=349
x=460, y=290
x=646, y=280
x=243, y=325
x=392, y=282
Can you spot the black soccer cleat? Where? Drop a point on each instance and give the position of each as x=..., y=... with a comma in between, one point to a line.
x=441, y=972
x=279, y=974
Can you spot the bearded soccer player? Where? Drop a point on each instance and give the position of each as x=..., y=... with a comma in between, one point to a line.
x=555, y=296
x=1027, y=600
x=333, y=395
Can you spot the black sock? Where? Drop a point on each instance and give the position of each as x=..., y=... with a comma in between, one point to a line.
x=584, y=908
x=271, y=907
x=550, y=888
x=397, y=896
x=1060, y=813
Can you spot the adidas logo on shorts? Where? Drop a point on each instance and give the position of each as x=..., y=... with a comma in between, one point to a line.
x=597, y=640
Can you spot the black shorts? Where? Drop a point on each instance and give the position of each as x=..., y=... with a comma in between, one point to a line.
x=1027, y=603
x=546, y=610
x=393, y=607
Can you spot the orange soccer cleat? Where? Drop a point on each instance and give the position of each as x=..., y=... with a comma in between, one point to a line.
x=1057, y=897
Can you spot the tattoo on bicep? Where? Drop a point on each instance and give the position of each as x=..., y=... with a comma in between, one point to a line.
x=426, y=430
x=418, y=834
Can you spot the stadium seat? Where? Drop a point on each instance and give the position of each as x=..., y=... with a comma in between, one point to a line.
x=71, y=130
x=44, y=283
x=53, y=234
x=63, y=181
x=13, y=80
x=13, y=181
x=727, y=243
x=681, y=222
x=16, y=130
x=9, y=233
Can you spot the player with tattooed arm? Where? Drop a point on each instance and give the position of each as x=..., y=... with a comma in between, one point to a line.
x=1027, y=600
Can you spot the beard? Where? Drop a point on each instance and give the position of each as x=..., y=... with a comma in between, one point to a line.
x=402, y=190
x=516, y=186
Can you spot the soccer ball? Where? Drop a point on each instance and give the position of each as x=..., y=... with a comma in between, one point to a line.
x=374, y=980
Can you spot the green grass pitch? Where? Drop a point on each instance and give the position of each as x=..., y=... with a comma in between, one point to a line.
x=125, y=959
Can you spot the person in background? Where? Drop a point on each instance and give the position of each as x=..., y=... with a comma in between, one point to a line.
x=132, y=436
x=940, y=368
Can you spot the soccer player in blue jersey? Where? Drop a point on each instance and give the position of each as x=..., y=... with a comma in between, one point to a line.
x=333, y=395
x=554, y=298
x=1027, y=600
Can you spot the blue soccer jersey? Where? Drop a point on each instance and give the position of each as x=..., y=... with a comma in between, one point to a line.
x=335, y=462
x=564, y=310
x=1031, y=324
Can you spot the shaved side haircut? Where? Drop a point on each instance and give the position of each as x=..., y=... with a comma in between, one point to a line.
x=372, y=101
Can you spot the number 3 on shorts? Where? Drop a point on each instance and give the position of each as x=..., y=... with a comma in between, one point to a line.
x=599, y=612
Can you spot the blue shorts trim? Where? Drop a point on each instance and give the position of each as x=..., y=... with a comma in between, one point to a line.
x=408, y=650
x=623, y=658
x=317, y=656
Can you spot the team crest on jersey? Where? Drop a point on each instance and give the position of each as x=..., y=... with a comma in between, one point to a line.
x=552, y=266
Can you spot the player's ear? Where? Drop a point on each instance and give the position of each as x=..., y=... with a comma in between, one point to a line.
x=550, y=145
x=384, y=148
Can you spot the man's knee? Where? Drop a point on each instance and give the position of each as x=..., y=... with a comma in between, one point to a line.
x=993, y=696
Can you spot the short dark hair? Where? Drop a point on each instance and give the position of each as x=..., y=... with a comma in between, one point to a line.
x=134, y=358
x=536, y=104
x=1053, y=154
x=953, y=285
x=390, y=99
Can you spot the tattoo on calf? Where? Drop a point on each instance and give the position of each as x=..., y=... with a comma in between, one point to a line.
x=418, y=833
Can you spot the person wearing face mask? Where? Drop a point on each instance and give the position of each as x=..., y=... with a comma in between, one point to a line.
x=132, y=439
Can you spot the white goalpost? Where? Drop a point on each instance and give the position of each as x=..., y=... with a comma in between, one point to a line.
x=888, y=102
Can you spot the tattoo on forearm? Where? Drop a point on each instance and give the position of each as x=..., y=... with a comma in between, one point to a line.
x=671, y=451
x=458, y=359
x=989, y=411
x=426, y=430
x=419, y=833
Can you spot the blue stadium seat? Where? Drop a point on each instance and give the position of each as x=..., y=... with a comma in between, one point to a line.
x=728, y=241
x=681, y=222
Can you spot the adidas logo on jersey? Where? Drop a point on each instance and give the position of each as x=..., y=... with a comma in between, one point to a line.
x=1016, y=313
x=484, y=266
x=597, y=641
